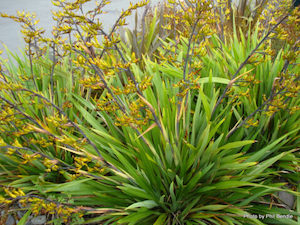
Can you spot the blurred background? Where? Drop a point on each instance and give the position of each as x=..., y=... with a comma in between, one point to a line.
x=10, y=31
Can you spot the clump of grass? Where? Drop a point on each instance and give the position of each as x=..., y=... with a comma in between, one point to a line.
x=198, y=129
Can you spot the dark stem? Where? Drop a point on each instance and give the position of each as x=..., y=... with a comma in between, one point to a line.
x=186, y=61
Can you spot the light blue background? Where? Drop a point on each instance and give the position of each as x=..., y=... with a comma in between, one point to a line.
x=10, y=31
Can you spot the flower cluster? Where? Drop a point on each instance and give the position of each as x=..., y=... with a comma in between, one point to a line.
x=86, y=163
x=51, y=165
x=40, y=206
x=139, y=115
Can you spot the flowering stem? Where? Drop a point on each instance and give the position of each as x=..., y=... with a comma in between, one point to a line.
x=245, y=62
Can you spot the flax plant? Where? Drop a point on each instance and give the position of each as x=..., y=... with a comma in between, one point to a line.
x=104, y=133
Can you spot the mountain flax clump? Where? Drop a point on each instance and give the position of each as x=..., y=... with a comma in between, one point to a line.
x=191, y=118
